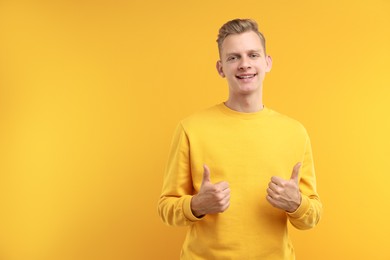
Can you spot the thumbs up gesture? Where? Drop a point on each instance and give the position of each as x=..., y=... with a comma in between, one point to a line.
x=285, y=194
x=211, y=198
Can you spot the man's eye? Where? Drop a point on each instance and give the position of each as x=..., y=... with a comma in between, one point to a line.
x=254, y=55
x=231, y=58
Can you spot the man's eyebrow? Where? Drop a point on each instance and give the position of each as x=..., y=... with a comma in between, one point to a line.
x=256, y=50
x=232, y=53
x=248, y=51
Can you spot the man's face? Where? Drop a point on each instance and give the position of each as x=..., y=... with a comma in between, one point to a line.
x=243, y=63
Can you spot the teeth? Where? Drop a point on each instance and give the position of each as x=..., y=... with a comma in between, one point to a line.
x=246, y=76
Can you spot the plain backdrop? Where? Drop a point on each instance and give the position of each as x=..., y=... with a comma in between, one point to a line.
x=91, y=92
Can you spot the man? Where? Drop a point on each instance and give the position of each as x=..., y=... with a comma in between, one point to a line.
x=239, y=170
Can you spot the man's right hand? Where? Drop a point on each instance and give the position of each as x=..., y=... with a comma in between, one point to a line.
x=211, y=198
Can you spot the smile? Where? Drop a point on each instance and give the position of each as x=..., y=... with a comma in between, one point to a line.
x=246, y=76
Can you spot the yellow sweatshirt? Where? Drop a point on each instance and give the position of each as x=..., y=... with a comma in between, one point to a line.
x=246, y=150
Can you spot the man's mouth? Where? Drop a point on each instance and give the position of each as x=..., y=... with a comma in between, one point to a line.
x=246, y=76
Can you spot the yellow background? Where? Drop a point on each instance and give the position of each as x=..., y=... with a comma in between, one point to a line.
x=91, y=91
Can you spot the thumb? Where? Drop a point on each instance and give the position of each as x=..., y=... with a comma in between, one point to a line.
x=206, y=174
x=295, y=173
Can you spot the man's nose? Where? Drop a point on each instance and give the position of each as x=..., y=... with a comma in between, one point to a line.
x=244, y=64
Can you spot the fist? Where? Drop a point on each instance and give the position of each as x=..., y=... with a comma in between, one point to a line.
x=285, y=194
x=211, y=198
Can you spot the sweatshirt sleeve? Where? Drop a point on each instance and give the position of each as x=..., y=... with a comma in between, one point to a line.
x=174, y=206
x=309, y=212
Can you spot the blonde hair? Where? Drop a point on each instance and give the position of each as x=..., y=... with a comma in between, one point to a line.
x=238, y=26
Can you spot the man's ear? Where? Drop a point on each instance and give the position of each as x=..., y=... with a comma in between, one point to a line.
x=219, y=69
x=268, y=60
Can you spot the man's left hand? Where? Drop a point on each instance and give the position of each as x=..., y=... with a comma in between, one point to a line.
x=285, y=194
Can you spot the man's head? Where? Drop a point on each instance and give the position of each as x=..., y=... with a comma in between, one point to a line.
x=243, y=60
x=238, y=26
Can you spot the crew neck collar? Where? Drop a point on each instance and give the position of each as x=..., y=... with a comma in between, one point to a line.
x=243, y=115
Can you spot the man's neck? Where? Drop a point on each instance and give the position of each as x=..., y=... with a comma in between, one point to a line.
x=245, y=103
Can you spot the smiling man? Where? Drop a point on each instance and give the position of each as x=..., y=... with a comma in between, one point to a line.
x=239, y=171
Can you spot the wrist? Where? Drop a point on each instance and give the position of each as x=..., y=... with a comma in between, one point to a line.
x=196, y=211
x=296, y=205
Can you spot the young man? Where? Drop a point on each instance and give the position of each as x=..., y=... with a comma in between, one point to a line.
x=239, y=170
